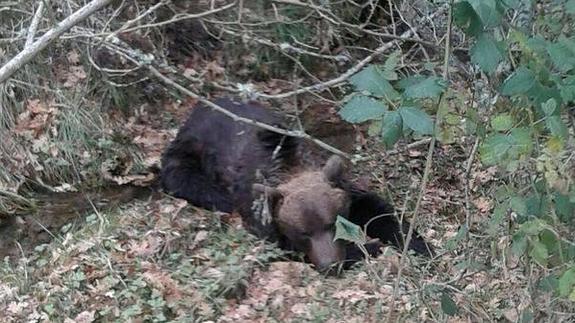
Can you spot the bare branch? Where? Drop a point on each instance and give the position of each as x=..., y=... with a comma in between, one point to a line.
x=31, y=51
x=34, y=25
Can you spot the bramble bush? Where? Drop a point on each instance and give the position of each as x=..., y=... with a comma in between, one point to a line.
x=526, y=51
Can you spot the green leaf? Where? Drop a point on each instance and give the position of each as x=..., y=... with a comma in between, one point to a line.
x=526, y=316
x=570, y=7
x=502, y=122
x=521, y=142
x=539, y=252
x=561, y=55
x=410, y=81
x=549, y=107
x=487, y=11
x=362, y=108
x=513, y=4
x=390, y=65
x=494, y=149
x=557, y=127
x=549, y=239
x=519, y=205
x=497, y=219
x=374, y=128
x=448, y=306
x=519, y=244
x=348, y=231
x=392, y=128
x=486, y=53
x=540, y=94
x=567, y=88
x=549, y=283
x=532, y=228
x=453, y=243
x=564, y=208
x=372, y=79
x=430, y=87
x=416, y=120
x=520, y=82
x=465, y=17
x=566, y=282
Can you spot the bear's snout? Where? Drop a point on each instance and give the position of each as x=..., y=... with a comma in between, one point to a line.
x=324, y=252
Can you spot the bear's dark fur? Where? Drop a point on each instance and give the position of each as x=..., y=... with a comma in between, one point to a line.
x=284, y=190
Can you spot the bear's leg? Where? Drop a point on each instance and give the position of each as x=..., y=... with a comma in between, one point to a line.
x=371, y=210
x=188, y=172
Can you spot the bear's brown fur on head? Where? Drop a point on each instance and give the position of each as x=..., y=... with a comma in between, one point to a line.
x=284, y=190
x=306, y=209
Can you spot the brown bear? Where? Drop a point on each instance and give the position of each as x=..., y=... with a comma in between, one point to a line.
x=283, y=188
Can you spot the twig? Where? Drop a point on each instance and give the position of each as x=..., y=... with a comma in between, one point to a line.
x=144, y=62
x=132, y=22
x=176, y=18
x=354, y=69
x=468, y=184
x=31, y=51
x=235, y=117
x=410, y=146
x=34, y=24
x=427, y=171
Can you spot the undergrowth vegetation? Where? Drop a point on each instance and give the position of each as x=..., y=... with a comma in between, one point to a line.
x=488, y=86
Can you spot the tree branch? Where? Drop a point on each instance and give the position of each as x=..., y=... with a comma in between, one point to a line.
x=36, y=47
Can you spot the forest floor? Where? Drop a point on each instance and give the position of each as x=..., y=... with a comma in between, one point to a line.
x=159, y=259
x=128, y=255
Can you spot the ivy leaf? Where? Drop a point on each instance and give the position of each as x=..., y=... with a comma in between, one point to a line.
x=372, y=79
x=486, y=53
x=348, y=231
x=465, y=17
x=448, y=306
x=430, y=87
x=392, y=128
x=416, y=120
x=362, y=108
x=502, y=122
x=520, y=82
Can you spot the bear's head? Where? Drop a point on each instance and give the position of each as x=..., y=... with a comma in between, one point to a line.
x=305, y=210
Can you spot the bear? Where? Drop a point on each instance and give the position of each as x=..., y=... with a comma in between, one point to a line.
x=284, y=189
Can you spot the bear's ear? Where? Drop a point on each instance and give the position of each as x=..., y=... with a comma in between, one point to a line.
x=272, y=192
x=334, y=168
